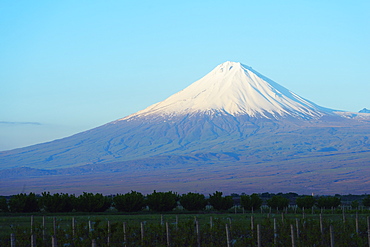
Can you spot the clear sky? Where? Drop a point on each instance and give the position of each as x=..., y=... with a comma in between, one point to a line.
x=68, y=66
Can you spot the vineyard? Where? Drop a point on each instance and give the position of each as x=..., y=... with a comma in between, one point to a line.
x=290, y=227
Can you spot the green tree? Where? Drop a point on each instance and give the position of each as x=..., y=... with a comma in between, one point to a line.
x=3, y=205
x=162, y=201
x=251, y=202
x=88, y=202
x=366, y=201
x=193, y=201
x=328, y=202
x=57, y=202
x=305, y=201
x=23, y=203
x=129, y=202
x=220, y=202
x=276, y=202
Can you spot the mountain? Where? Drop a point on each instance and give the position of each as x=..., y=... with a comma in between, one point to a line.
x=233, y=130
x=364, y=111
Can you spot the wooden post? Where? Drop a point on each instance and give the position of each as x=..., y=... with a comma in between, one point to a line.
x=33, y=240
x=344, y=216
x=292, y=235
x=108, y=237
x=302, y=212
x=227, y=236
x=210, y=222
x=297, y=226
x=275, y=232
x=282, y=217
x=90, y=227
x=258, y=235
x=93, y=243
x=331, y=236
x=142, y=232
x=43, y=228
x=368, y=230
x=168, y=234
x=55, y=226
x=197, y=231
x=252, y=225
x=321, y=225
x=124, y=233
x=356, y=222
x=73, y=228
x=31, y=224
x=54, y=242
x=12, y=240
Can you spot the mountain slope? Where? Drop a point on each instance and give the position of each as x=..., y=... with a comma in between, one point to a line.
x=236, y=89
x=232, y=117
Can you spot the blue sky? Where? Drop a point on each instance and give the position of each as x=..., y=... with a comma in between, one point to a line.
x=68, y=66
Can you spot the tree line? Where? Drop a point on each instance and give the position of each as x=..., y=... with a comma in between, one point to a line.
x=158, y=201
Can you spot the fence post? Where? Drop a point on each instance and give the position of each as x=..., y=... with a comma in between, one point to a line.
x=344, y=216
x=108, y=237
x=33, y=240
x=43, y=228
x=73, y=228
x=292, y=235
x=368, y=229
x=227, y=236
x=31, y=224
x=54, y=242
x=252, y=224
x=275, y=232
x=55, y=226
x=124, y=233
x=258, y=235
x=356, y=222
x=93, y=243
x=142, y=232
x=210, y=222
x=297, y=226
x=197, y=230
x=168, y=234
x=331, y=236
x=12, y=240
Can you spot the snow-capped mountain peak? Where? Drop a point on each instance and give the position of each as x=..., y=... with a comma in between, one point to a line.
x=236, y=89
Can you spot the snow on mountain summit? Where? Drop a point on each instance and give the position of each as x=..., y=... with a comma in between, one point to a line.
x=235, y=89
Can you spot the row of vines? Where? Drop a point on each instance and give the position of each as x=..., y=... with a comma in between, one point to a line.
x=189, y=230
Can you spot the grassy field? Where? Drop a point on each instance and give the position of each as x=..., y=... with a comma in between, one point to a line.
x=181, y=229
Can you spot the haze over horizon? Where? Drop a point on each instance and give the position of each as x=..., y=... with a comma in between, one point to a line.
x=70, y=66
